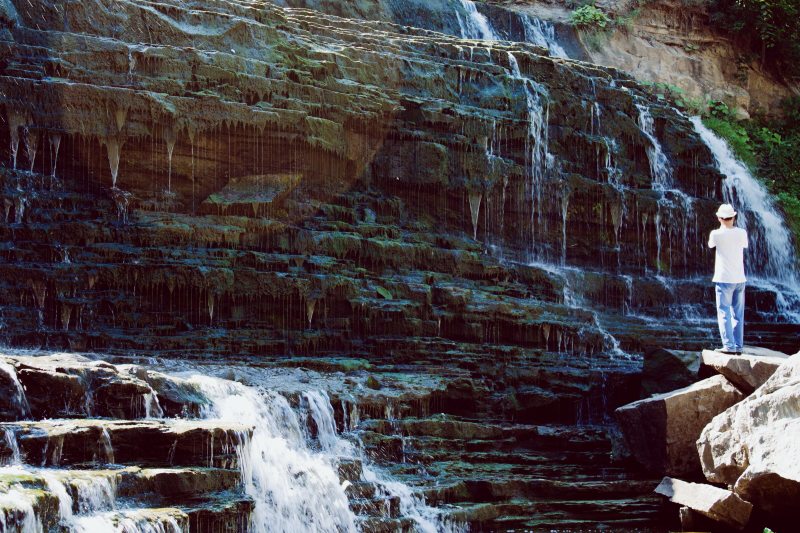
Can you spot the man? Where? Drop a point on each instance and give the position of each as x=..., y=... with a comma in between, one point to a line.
x=729, y=280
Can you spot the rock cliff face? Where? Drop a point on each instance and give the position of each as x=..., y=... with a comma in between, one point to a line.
x=237, y=178
x=673, y=42
x=262, y=169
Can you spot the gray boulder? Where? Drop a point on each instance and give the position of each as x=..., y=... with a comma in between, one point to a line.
x=661, y=430
x=755, y=445
x=666, y=370
x=748, y=372
x=718, y=504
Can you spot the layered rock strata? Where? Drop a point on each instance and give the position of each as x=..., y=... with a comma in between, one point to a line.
x=304, y=190
x=187, y=474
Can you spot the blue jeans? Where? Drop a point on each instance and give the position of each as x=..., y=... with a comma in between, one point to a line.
x=730, y=314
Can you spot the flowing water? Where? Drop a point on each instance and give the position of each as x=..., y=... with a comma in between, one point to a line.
x=770, y=257
x=291, y=475
x=542, y=33
x=475, y=25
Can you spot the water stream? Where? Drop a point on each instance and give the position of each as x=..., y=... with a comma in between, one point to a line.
x=476, y=25
x=291, y=475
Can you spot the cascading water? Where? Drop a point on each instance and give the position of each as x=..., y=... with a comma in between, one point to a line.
x=476, y=25
x=428, y=519
x=660, y=168
x=770, y=242
x=770, y=255
x=20, y=400
x=294, y=489
x=536, y=141
x=542, y=33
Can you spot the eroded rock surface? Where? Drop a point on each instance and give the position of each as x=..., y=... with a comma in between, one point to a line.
x=673, y=42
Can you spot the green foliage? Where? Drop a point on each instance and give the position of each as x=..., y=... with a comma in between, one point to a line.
x=590, y=17
x=676, y=95
x=384, y=292
x=769, y=27
x=768, y=530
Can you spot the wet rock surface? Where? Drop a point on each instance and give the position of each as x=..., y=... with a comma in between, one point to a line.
x=466, y=245
x=491, y=473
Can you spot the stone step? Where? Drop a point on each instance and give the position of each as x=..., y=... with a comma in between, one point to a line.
x=385, y=525
x=144, y=442
x=195, y=500
x=68, y=386
x=485, y=489
x=452, y=429
x=350, y=470
x=165, y=485
x=563, y=514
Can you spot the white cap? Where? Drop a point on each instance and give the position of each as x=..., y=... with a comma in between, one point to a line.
x=726, y=211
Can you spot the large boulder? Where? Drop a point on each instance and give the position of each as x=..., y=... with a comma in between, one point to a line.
x=718, y=504
x=754, y=446
x=666, y=370
x=661, y=430
x=748, y=372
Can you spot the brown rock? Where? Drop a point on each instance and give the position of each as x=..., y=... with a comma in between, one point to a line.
x=718, y=504
x=661, y=430
x=747, y=372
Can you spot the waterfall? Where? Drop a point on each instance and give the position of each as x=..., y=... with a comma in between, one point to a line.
x=476, y=26
x=20, y=400
x=542, y=33
x=536, y=142
x=428, y=519
x=17, y=513
x=771, y=252
x=11, y=441
x=294, y=489
x=660, y=168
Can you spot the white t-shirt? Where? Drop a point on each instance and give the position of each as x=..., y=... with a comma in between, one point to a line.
x=730, y=245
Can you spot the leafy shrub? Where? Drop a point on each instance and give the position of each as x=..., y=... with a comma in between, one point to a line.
x=590, y=17
x=770, y=28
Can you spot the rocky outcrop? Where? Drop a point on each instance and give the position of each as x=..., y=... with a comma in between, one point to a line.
x=747, y=372
x=718, y=504
x=661, y=430
x=673, y=42
x=753, y=446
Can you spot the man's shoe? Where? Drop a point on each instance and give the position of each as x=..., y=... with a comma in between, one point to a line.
x=727, y=352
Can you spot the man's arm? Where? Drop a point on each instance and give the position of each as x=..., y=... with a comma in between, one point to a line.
x=711, y=242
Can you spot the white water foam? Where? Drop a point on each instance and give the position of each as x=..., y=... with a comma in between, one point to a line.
x=542, y=33
x=476, y=25
x=660, y=168
x=294, y=489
